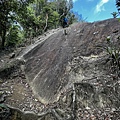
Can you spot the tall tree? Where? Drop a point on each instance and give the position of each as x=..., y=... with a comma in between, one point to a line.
x=7, y=8
x=115, y=14
x=118, y=5
x=8, y=15
x=34, y=16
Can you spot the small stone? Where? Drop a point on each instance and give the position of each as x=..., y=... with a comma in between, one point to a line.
x=87, y=108
x=36, y=100
x=12, y=55
x=8, y=92
x=2, y=61
x=95, y=33
x=92, y=117
x=113, y=109
x=64, y=99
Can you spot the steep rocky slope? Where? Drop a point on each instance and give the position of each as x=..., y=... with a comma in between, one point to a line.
x=56, y=62
x=67, y=75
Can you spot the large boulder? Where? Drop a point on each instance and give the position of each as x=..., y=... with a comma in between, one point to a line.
x=55, y=63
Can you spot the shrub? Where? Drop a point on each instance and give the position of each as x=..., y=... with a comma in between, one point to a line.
x=114, y=55
x=15, y=36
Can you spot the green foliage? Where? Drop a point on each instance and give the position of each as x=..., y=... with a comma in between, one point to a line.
x=9, y=12
x=33, y=16
x=114, y=55
x=72, y=18
x=53, y=16
x=113, y=50
x=119, y=19
x=115, y=14
x=15, y=36
x=118, y=5
x=6, y=16
x=4, y=111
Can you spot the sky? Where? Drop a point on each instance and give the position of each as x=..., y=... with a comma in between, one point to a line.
x=95, y=10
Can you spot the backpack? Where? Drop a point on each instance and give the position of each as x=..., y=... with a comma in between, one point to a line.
x=65, y=20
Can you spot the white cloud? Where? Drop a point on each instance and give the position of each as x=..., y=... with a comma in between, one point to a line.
x=100, y=6
x=75, y=0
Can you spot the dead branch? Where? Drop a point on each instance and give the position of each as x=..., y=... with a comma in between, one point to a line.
x=46, y=23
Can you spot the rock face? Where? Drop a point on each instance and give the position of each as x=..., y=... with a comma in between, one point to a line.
x=64, y=77
x=55, y=64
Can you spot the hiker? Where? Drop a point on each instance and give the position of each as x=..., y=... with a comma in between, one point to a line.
x=65, y=22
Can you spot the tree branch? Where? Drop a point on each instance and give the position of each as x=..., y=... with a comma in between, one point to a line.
x=46, y=22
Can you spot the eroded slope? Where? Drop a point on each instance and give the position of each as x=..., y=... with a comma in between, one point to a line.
x=54, y=64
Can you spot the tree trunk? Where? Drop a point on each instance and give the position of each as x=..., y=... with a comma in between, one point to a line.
x=3, y=38
x=45, y=28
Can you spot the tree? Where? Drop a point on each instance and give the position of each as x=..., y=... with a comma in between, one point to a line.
x=118, y=5
x=51, y=17
x=15, y=36
x=33, y=16
x=115, y=14
x=9, y=10
x=63, y=8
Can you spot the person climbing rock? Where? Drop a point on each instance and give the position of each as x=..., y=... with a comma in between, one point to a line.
x=65, y=25
x=65, y=22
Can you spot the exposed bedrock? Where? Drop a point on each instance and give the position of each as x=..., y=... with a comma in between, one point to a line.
x=54, y=64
